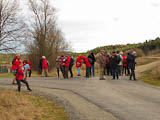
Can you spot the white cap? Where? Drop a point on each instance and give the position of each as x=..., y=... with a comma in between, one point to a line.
x=43, y=57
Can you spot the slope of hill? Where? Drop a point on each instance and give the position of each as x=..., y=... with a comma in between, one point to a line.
x=146, y=47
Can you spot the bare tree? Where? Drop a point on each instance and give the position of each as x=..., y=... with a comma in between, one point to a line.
x=10, y=25
x=47, y=38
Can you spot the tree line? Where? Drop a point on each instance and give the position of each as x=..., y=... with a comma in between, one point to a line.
x=39, y=33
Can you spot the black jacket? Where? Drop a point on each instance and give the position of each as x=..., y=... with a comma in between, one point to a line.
x=114, y=62
x=91, y=59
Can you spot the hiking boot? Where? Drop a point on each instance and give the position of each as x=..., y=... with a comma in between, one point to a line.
x=29, y=89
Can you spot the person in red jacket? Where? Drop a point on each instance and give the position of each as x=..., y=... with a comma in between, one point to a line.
x=20, y=77
x=65, y=62
x=78, y=65
x=16, y=62
x=44, y=66
x=124, y=64
x=88, y=66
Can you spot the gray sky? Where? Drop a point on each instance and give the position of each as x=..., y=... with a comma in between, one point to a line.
x=92, y=23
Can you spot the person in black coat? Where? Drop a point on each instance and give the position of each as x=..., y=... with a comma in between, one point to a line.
x=131, y=64
x=92, y=60
x=71, y=64
x=114, y=65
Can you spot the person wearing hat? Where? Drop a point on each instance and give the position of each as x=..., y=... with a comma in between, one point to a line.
x=131, y=64
x=102, y=64
x=44, y=66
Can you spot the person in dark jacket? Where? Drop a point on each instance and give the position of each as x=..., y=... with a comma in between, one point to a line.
x=131, y=64
x=92, y=60
x=70, y=66
x=114, y=65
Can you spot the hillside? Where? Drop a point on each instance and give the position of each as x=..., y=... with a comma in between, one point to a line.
x=146, y=47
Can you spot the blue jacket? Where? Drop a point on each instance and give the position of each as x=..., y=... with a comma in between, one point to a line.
x=131, y=61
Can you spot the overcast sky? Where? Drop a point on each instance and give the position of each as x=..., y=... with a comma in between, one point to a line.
x=92, y=23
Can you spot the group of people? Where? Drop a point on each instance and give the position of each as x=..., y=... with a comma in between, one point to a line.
x=115, y=64
x=20, y=70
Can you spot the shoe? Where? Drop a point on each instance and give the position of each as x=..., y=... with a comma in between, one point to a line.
x=29, y=89
x=102, y=79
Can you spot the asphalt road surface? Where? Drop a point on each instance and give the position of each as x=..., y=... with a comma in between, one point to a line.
x=94, y=99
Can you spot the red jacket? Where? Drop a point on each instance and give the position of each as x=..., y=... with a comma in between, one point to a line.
x=78, y=62
x=86, y=61
x=124, y=61
x=20, y=73
x=66, y=64
x=16, y=64
x=44, y=64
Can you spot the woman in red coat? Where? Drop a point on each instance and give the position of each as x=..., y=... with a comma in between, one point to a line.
x=20, y=77
x=88, y=65
x=44, y=66
x=16, y=62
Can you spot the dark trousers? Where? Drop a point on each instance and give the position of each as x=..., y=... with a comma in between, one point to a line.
x=19, y=84
x=132, y=74
x=88, y=70
x=115, y=73
x=58, y=71
x=128, y=71
x=28, y=73
x=125, y=70
x=65, y=72
x=70, y=70
x=93, y=70
x=109, y=71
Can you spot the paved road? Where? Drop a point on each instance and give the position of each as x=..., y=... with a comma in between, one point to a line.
x=124, y=99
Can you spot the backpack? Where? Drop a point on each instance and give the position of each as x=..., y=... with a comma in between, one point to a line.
x=15, y=71
x=64, y=59
x=90, y=60
x=119, y=59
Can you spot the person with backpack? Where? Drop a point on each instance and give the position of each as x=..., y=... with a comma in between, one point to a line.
x=114, y=65
x=20, y=77
x=131, y=64
x=108, y=66
x=65, y=61
x=71, y=64
x=102, y=64
x=44, y=66
x=78, y=65
x=16, y=62
x=120, y=62
x=92, y=61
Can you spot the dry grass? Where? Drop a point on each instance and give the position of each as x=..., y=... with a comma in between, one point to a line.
x=152, y=76
x=18, y=106
x=144, y=61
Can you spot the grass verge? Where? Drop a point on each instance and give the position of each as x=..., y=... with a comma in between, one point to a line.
x=151, y=77
x=22, y=106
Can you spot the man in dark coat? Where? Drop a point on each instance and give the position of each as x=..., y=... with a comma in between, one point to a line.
x=114, y=65
x=131, y=64
x=92, y=60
